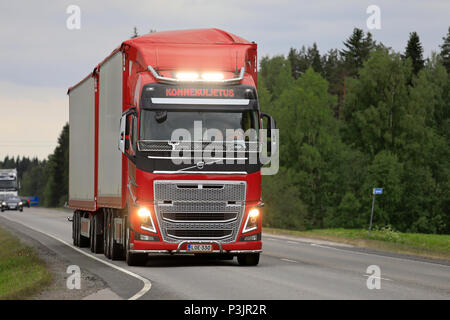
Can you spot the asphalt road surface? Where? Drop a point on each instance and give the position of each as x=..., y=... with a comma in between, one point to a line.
x=290, y=268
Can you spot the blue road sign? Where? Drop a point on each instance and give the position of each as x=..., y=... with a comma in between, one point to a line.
x=377, y=190
x=34, y=201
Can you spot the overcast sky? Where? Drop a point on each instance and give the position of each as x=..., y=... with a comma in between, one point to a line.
x=40, y=58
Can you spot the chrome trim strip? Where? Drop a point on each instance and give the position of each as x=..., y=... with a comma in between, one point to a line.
x=199, y=221
x=184, y=251
x=200, y=172
x=203, y=158
x=177, y=81
x=193, y=239
x=198, y=101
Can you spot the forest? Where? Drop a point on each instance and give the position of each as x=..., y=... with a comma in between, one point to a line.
x=350, y=120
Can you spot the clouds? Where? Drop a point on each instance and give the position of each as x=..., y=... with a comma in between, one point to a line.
x=38, y=51
x=31, y=119
x=37, y=38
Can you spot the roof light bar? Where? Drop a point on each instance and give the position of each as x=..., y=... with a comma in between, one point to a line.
x=183, y=77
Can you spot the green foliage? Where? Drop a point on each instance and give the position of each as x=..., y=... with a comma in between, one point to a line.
x=445, y=51
x=369, y=118
x=414, y=51
x=56, y=189
x=357, y=49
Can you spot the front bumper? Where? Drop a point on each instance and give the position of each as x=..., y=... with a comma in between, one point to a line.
x=181, y=248
x=7, y=207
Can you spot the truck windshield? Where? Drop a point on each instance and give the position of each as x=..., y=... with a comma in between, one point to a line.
x=159, y=125
x=8, y=184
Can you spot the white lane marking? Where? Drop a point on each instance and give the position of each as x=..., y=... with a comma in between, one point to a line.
x=292, y=242
x=368, y=275
x=321, y=246
x=147, y=284
x=287, y=260
x=379, y=255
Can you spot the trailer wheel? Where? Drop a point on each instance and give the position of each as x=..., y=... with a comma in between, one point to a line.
x=91, y=234
x=116, y=251
x=74, y=229
x=106, y=233
x=82, y=240
x=97, y=238
x=248, y=259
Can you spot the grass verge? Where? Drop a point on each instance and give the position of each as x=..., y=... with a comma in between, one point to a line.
x=423, y=245
x=22, y=272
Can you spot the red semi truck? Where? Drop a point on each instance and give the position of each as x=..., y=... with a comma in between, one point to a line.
x=138, y=188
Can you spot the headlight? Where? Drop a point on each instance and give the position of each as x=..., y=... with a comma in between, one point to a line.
x=144, y=212
x=212, y=76
x=252, y=220
x=187, y=76
x=146, y=219
x=20, y=203
x=3, y=203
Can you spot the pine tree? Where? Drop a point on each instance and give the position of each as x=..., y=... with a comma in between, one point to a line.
x=414, y=51
x=358, y=48
x=445, y=51
x=135, y=33
x=315, y=59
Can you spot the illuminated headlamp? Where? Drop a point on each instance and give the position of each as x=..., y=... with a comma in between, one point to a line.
x=146, y=219
x=252, y=220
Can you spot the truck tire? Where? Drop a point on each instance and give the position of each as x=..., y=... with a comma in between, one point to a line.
x=116, y=251
x=83, y=242
x=74, y=229
x=133, y=259
x=97, y=238
x=248, y=259
x=106, y=233
x=91, y=234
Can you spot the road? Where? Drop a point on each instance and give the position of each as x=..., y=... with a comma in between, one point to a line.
x=290, y=268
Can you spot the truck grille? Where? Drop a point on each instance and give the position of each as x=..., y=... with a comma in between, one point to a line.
x=196, y=234
x=199, y=209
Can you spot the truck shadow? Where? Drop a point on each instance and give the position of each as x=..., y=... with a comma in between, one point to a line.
x=187, y=261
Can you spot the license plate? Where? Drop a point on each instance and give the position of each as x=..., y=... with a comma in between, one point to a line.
x=199, y=247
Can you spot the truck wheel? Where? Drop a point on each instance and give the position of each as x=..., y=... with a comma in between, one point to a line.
x=106, y=233
x=74, y=229
x=248, y=259
x=97, y=238
x=82, y=240
x=91, y=235
x=116, y=250
x=133, y=259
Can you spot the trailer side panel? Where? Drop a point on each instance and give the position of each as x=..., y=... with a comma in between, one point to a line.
x=82, y=145
x=110, y=111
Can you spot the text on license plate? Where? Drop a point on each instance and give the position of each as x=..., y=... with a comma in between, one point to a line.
x=199, y=247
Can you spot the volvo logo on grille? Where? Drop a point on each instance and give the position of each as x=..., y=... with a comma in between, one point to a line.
x=200, y=165
x=174, y=145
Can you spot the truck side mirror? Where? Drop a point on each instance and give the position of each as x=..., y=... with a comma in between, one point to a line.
x=271, y=137
x=123, y=125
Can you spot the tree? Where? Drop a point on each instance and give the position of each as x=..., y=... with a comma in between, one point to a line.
x=376, y=103
x=315, y=59
x=445, y=51
x=56, y=189
x=135, y=33
x=414, y=51
x=386, y=172
x=358, y=48
x=275, y=75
